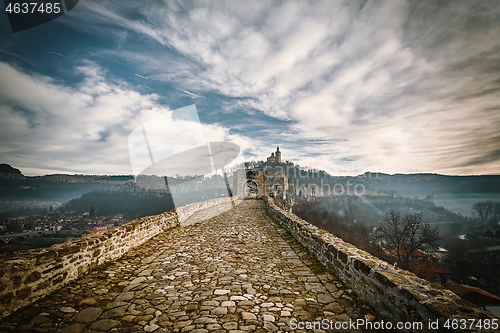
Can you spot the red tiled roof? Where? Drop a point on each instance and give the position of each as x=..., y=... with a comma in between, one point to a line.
x=469, y=292
x=97, y=228
x=489, y=226
x=416, y=252
x=419, y=253
x=425, y=268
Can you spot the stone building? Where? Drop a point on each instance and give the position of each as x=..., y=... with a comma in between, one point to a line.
x=269, y=181
x=275, y=158
x=250, y=183
x=277, y=182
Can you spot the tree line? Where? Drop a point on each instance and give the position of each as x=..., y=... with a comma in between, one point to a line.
x=487, y=210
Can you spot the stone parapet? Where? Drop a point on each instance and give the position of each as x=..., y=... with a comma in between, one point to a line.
x=185, y=212
x=398, y=295
x=33, y=274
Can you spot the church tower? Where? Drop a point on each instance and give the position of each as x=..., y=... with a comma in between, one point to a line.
x=278, y=155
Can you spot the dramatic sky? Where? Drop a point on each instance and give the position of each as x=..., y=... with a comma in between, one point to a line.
x=344, y=86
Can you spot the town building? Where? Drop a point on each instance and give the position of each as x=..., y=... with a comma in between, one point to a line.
x=478, y=296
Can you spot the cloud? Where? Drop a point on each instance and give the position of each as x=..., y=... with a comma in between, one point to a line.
x=406, y=87
x=59, y=54
x=191, y=94
x=396, y=86
x=49, y=127
x=142, y=77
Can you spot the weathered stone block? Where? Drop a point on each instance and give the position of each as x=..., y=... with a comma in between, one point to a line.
x=66, y=250
x=53, y=268
x=23, y=293
x=5, y=299
x=42, y=285
x=34, y=276
x=342, y=257
x=384, y=280
x=58, y=279
x=82, y=269
x=362, y=266
x=19, y=265
x=332, y=249
x=16, y=280
x=46, y=257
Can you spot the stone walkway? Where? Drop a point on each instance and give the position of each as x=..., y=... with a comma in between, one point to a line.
x=205, y=214
x=237, y=272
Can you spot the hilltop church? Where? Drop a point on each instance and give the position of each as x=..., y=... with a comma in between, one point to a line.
x=275, y=158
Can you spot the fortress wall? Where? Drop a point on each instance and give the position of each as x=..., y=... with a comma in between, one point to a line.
x=396, y=294
x=30, y=275
x=186, y=211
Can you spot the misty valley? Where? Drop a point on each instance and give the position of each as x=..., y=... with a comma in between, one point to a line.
x=461, y=214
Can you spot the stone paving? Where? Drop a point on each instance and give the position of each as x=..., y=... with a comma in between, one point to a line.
x=236, y=272
x=205, y=214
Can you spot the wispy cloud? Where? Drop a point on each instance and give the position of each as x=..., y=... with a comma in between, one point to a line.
x=191, y=94
x=142, y=77
x=49, y=127
x=394, y=86
x=407, y=87
x=59, y=54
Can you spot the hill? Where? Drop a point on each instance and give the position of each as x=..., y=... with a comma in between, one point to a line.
x=6, y=168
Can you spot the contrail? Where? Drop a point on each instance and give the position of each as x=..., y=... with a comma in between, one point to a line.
x=145, y=78
x=190, y=93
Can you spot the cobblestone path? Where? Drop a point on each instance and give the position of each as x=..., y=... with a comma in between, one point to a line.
x=207, y=213
x=237, y=272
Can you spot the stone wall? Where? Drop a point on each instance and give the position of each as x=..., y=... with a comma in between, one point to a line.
x=185, y=212
x=396, y=294
x=30, y=275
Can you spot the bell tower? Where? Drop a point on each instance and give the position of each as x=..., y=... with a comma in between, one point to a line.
x=278, y=155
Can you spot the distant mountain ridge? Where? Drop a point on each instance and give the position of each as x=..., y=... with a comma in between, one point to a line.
x=6, y=168
x=7, y=171
x=427, y=183
x=14, y=186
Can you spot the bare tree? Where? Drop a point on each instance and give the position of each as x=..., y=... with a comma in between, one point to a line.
x=496, y=210
x=487, y=210
x=480, y=208
x=406, y=234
